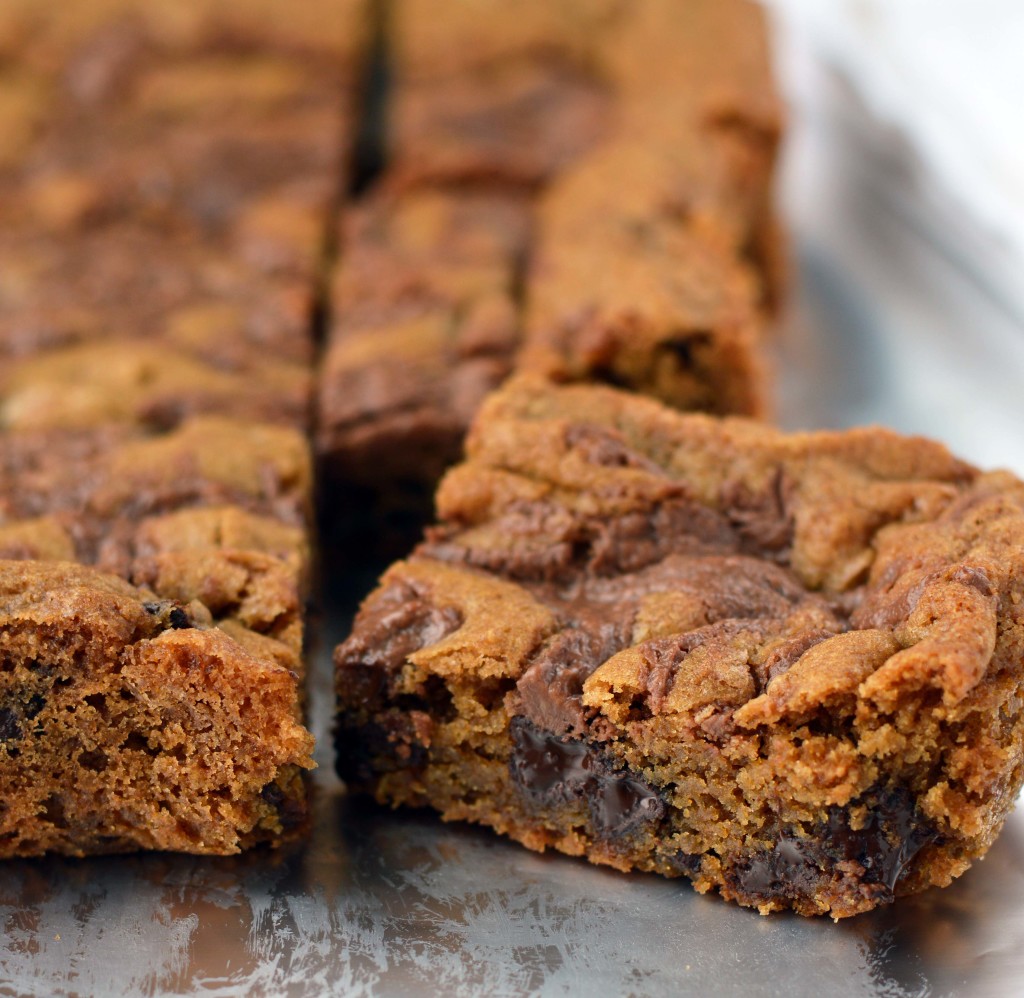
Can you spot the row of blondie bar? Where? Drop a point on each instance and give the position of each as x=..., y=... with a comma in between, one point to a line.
x=785, y=667
x=170, y=177
x=167, y=174
x=581, y=190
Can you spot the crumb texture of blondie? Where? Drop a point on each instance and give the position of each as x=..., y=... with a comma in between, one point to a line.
x=130, y=722
x=787, y=667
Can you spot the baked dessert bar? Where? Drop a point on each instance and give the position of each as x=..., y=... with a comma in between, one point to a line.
x=160, y=265
x=533, y=212
x=130, y=722
x=787, y=667
x=206, y=530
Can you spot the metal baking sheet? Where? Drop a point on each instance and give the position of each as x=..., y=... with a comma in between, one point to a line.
x=885, y=329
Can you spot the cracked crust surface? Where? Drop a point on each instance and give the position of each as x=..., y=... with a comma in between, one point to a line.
x=784, y=666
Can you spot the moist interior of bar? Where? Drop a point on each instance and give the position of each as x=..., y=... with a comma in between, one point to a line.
x=128, y=722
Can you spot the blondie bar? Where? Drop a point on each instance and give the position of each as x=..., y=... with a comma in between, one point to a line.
x=425, y=325
x=786, y=667
x=129, y=722
x=172, y=176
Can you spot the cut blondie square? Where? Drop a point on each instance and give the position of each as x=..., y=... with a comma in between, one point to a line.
x=787, y=667
x=130, y=722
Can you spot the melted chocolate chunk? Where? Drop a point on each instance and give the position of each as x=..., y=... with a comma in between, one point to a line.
x=399, y=621
x=764, y=520
x=891, y=837
x=550, y=771
x=10, y=729
x=551, y=689
x=969, y=575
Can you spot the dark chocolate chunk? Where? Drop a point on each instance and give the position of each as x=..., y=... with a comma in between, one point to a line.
x=169, y=614
x=291, y=810
x=892, y=835
x=552, y=770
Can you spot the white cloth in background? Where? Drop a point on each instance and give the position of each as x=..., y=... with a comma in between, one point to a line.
x=942, y=82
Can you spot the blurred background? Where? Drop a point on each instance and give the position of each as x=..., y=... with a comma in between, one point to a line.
x=904, y=187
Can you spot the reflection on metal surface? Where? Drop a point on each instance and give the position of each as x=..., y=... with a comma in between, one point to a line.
x=382, y=903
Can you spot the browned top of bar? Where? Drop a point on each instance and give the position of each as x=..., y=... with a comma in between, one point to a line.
x=635, y=280
x=618, y=560
x=102, y=483
x=516, y=92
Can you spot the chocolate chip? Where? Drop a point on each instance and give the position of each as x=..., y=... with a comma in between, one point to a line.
x=10, y=729
x=682, y=348
x=35, y=704
x=688, y=863
x=169, y=613
x=552, y=771
x=291, y=810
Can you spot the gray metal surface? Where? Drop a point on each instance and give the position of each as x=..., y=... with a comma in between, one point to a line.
x=386, y=904
x=382, y=904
